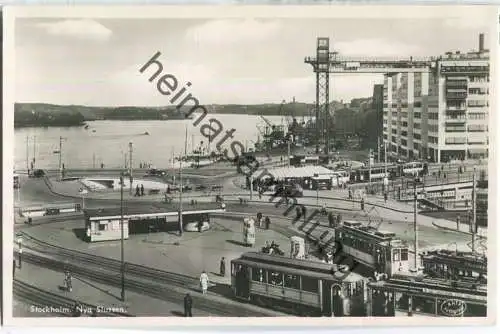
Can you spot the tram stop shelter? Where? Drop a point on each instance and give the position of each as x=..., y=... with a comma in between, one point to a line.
x=104, y=224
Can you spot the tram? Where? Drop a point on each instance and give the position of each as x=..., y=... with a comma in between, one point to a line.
x=461, y=267
x=378, y=173
x=299, y=286
x=378, y=250
x=427, y=297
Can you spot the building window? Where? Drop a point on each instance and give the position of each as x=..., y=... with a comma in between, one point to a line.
x=259, y=275
x=477, y=115
x=417, y=136
x=102, y=226
x=404, y=142
x=456, y=140
x=476, y=128
x=275, y=278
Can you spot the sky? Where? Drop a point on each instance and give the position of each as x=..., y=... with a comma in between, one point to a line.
x=241, y=61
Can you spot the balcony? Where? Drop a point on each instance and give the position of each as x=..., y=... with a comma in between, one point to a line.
x=456, y=95
x=456, y=84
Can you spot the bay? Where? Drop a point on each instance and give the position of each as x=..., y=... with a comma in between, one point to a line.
x=107, y=141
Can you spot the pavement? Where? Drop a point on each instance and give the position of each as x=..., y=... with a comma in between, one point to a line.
x=94, y=293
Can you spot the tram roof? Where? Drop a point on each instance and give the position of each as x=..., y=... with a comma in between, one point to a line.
x=297, y=266
x=158, y=209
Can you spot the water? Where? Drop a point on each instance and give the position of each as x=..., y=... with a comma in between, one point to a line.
x=83, y=148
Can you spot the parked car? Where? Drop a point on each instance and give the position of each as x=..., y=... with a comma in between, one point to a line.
x=156, y=172
x=194, y=227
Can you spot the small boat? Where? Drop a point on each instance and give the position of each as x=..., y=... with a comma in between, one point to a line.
x=93, y=130
x=146, y=133
x=86, y=127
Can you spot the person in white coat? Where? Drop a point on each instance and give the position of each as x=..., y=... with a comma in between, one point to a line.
x=204, y=282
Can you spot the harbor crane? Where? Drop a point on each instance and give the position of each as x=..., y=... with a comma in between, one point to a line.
x=326, y=62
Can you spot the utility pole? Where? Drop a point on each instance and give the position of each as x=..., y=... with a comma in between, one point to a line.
x=378, y=149
x=370, y=166
x=473, y=223
x=288, y=157
x=27, y=154
x=60, y=156
x=34, y=151
x=385, y=156
x=130, y=166
x=93, y=160
x=181, y=228
x=122, y=184
x=415, y=226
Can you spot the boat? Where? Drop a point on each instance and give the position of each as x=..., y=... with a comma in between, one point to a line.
x=146, y=133
x=86, y=126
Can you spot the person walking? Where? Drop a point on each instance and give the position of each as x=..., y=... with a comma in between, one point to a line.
x=142, y=189
x=137, y=191
x=67, y=281
x=13, y=268
x=223, y=267
x=204, y=282
x=188, y=305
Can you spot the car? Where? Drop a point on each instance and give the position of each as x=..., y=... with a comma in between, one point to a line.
x=38, y=173
x=156, y=172
x=193, y=227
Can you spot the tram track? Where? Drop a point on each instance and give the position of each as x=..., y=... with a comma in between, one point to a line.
x=163, y=292
x=46, y=301
x=111, y=264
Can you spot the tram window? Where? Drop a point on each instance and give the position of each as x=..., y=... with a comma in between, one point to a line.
x=102, y=227
x=275, y=278
x=395, y=255
x=292, y=281
x=259, y=275
x=404, y=254
x=309, y=284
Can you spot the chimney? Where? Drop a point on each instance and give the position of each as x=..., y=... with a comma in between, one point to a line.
x=481, y=42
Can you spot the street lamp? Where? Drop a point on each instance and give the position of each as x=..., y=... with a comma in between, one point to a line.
x=122, y=184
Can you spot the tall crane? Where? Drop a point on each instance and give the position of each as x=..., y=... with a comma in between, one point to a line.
x=326, y=62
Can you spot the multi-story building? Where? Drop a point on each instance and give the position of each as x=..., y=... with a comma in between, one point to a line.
x=440, y=114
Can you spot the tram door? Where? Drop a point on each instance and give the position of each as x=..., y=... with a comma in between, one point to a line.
x=327, y=298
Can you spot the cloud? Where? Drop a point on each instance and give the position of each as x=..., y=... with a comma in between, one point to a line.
x=82, y=29
x=232, y=31
x=375, y=47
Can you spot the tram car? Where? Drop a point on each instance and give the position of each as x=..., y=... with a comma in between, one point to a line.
x=380, y=251
x=378, y=173
x=297, y=286
x=461, y=267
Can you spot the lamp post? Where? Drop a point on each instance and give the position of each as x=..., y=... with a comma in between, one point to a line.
x=122, y=184
x=415, y=226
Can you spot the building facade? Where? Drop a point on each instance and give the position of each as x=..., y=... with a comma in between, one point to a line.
x=440, y=114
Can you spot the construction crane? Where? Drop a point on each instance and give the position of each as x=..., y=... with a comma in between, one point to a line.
x=327, y=62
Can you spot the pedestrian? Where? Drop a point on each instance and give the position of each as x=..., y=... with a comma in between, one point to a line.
x=204, y=282
x=20, y=258
x=362, y=204
x=142, y=189
x=13, y=268
x=67, y=281
x=385, y=197
x=140, y=165
x=188, y=305
x=137, y=191
x=223, y=267
x=268, y=222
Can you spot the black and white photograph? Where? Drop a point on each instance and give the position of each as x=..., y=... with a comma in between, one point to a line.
x=268, y=162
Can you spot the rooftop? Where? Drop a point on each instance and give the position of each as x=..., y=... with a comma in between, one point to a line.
x=142, y=209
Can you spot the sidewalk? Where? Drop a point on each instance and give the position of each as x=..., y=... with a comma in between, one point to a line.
x=98, y=294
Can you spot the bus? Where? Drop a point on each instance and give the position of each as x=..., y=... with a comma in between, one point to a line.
x=17, y=185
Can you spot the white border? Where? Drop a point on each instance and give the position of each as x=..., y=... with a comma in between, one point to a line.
x=221, y=11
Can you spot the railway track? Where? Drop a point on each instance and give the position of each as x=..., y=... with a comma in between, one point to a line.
x=42, y=301
x=156, y=275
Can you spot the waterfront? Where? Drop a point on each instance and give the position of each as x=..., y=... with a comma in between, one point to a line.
x=108, y=144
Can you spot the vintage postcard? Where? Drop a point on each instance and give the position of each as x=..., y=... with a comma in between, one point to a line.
x=226, y=163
